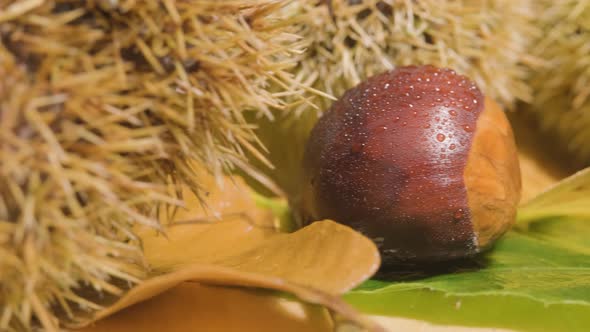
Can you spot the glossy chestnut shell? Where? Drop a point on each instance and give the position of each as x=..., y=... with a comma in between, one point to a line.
x=418, y=160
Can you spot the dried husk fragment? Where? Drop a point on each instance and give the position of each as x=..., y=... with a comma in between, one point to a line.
x=352, y=40
x=561, y=82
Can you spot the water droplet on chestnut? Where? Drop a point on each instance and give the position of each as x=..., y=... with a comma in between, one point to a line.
x=458, y=215
x=422, y=205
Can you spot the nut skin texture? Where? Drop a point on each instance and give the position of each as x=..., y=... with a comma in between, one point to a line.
x=390, y=157
x=492, y=176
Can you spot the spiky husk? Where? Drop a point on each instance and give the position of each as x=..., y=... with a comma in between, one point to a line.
x=351, y=40
x=485, y=40
x=103, y=107
x=562, y=83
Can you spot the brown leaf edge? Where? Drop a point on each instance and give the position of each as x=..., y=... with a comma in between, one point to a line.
x=221, y=276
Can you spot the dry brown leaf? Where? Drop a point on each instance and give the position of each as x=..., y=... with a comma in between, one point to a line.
x=233, y=243
x=219, y=276
x=325, y=255
x=196, y=307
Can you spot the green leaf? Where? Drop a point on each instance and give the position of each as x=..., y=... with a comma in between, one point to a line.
x=570, y=197
x=279, y=208
x=537, y=278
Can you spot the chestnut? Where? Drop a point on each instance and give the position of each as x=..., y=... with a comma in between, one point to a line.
x=418, y=160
